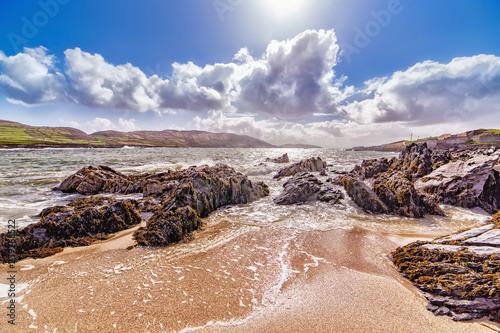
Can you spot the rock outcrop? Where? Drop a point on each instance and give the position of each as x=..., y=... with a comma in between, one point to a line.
x=413, y=184
x=282, y=159
x=93, y=180
x=470, y=183
x=399, y=195
x=310, y=165
x=81, y=222
x=363, y=195
x=460, y=272
x=201, y=191
x=177, y=200
x=305, y=187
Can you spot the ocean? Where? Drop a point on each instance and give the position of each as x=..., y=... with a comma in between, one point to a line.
x=27, y=177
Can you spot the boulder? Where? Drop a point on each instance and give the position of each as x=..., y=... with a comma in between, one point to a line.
x=372, y=168
x=400, y=197
x=93, y=180
x=200, y=191
x=460, y=272
x=466, y=183
x=310, y=165
x=282, y=159
x=305, y=187
x=81, y=222
x=363, y=195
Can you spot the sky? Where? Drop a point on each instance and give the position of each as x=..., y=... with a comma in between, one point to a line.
x=334, y=73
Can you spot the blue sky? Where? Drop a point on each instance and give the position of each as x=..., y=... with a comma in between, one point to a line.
x=333, y=73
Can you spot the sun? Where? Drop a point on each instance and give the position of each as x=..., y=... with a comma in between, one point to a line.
x=283, y=9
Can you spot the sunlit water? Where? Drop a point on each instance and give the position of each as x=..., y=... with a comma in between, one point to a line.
x=27, y=178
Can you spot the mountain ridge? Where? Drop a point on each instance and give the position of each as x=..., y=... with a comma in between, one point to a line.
x=18, y=135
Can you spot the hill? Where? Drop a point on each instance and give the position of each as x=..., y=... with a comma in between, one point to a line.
x=479, y=138
x=17, y=135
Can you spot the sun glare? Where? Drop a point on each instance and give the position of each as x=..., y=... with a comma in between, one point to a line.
x=283, y=9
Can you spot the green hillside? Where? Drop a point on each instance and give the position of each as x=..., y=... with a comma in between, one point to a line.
x=14, y=135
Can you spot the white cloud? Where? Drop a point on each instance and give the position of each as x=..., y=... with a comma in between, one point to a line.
x=430, y=93
x=127, y=125
x=31, y=77
x=100, y=124
x=293, y=78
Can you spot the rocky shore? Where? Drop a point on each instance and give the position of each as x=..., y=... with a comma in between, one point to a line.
x=175, y=199
x=460, y=273
x=415, y=183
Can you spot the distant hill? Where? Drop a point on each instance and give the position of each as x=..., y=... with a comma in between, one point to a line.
x=479, y=138
x=299, y=145
x=13, y=134
x=171, y=138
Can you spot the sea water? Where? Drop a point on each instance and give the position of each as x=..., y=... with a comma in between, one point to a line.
x=28, y=176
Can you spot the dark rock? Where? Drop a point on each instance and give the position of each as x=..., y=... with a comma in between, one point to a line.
x=362, y=195
x=372, y=168
x=309, y=165
x=305, y=187
x=82, y=222
x=470, y=183
x=462, y=317
x=431, y=307
x=468, y=279
x=282, y=159
x=199, y=191
x=442, y=311
x=93, y=180
x=400, y=197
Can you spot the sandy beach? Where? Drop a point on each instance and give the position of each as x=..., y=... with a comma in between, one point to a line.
x=229, y=278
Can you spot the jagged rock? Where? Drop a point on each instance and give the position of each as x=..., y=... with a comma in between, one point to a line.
x=470, y=183
x=400, y=197
x=372, y=168
x=309, y=165
x=305, y=187
x=363, y=195
x=93, y=180
x=200, y=191
x=282, y=159
x=81, y=222
x=467, y=281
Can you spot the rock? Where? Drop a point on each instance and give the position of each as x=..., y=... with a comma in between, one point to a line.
x=462, y=317
x=362, y=195
x=442, y=311
x=415, y=160
x=282, y=159
x=82, y=222
x=305, y=187
x=93, y=180
x=199, y=191
x=400, y=197
x=467, y=280
x=372, y=168
x=309, y=165
x=468, y=184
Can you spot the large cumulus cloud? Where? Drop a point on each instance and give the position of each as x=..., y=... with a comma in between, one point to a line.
x=31, y=77
x=292, y=79
x=265, y=95
x=430, y=92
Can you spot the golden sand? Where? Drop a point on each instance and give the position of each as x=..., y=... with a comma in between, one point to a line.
x=231, y=278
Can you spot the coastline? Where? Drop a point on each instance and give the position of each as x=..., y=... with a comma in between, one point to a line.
x=235, y=278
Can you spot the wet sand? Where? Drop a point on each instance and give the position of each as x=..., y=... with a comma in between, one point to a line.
x=230, y=277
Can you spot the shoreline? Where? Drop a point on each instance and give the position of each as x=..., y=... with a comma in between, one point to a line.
x=230, y=277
